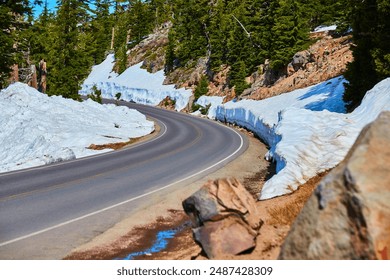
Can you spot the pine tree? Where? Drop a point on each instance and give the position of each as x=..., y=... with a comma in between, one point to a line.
x=371, y=50
x=120, y=42
x=381, y=52
x=220, y=22
x=202, y=88
x=11, y=13
x=69, y=61
x=101, y=30
x=245, y=33
x=140, y=21
x=170, y=54
x=290, y=33
x=323, y=12
x=237, y=77
x=40, y=35
x=190, y=29
x=161, y=10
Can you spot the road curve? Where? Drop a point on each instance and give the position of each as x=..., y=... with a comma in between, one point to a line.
x=47, y=211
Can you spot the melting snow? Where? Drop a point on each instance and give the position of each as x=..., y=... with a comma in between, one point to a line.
x=37, y=129
x=307, y=130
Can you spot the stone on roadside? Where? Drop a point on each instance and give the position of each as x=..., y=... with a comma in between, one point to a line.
x=225, y=218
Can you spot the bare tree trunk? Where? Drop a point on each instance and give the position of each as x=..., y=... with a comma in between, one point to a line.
x=33, y=82
x=42, y=76
x=243, y=27
x=112, y=38
x=14, y=77
x=247, y=33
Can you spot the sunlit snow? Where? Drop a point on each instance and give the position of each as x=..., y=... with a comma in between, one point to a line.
x=134, y=84
x=307, y=130
x=323, y=28
x=37, y=129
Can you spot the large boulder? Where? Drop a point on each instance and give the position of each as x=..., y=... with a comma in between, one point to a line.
x=225, y=218
x=347, y=217
x=300, y=59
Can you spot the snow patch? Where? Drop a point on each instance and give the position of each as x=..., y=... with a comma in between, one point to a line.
x=213, y=102
x=38, y=130
x=323, y=28
x=134, y=84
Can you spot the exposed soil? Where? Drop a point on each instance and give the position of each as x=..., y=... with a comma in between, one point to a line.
x=141, y=238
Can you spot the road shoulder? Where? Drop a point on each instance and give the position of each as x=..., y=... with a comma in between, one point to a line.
x=250, y=167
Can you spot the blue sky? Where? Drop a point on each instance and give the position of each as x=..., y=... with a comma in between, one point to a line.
x=38, y=9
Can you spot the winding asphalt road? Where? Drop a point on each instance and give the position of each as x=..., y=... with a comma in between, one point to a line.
x=47, y=211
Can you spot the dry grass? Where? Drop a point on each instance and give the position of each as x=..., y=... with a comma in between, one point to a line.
x=286, y=213
x=113, y=146
x=120, y=145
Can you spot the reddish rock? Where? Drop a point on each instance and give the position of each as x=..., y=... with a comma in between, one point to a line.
x=225, y=218
x=326, y=59
x=229, y=236
x=347, y=217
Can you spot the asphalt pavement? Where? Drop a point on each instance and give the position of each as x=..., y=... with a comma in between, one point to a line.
x=47, y=211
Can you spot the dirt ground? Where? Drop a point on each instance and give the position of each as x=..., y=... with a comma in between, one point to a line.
x=135, y=235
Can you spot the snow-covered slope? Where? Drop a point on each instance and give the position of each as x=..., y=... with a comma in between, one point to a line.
x=37, y=129
x=134, y=84
x=307, y=129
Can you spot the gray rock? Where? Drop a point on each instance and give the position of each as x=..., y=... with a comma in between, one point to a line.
x=300, y=59
x=347, y=217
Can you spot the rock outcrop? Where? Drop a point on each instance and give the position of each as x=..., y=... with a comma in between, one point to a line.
x=225, y=218
x=325, y=59
x=347, y=217
x=151, y=50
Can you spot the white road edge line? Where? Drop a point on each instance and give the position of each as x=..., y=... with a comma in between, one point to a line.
x=123, y=202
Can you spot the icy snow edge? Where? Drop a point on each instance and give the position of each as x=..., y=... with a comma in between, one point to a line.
x=307, y=130
x=38, y=130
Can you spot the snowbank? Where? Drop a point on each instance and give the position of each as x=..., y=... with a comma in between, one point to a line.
x=134, y=84
x=37, y=129
x=306, y=129
x=213, y=102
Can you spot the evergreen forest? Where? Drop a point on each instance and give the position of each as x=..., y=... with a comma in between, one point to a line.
x=240, y=33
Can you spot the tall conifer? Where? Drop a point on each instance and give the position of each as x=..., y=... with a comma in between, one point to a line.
x=368, y=32
x=69, y=65
x=10, y=25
